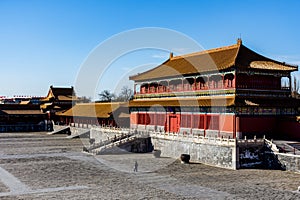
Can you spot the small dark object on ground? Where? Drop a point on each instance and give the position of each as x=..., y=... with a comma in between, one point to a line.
x=185, y=158
x=92, y=140
x=85, y=149
x=156, y=153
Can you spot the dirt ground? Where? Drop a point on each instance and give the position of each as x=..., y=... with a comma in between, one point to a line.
x=41, y=166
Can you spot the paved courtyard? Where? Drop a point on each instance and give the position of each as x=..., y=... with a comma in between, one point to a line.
x=41, y=166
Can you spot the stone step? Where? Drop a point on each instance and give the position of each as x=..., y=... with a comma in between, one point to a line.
x=60, y=130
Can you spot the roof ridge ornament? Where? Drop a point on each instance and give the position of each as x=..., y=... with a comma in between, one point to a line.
x=239, y=41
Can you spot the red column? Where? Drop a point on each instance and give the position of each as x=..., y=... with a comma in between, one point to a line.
x=233, y=82
x=155, y=118
x=204, y=123
x=192, y=119
x=167, y=123
x=236, y=127
x=178, y=122
x=208, y=83
x=219, y=125
x=223, y=81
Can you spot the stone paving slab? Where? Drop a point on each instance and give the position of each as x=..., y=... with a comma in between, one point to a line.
x=56, y=168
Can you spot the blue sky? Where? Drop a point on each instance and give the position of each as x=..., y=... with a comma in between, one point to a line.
x=45, y=42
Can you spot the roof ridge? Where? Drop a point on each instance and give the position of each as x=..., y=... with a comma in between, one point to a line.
x=267, y=58
x=188, y=55
x=221, y=58
x=206, y=51
x=101, y=103
x=239, y=44
x=138, y=74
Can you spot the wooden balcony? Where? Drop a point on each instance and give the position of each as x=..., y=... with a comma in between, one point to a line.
x=185, y=93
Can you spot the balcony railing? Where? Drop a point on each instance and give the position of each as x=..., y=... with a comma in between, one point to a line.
x=182, y=88
x=168, y=93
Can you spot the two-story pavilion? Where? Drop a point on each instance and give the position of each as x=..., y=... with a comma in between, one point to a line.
x=58, y=99
x=230, y=91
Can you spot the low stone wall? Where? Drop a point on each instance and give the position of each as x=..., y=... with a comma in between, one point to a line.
x=212, y=133
x=185, y=130
x=289, y=162
x=140, y=127
x=209, y=152
x=199, y=132
x=97, y=135
x=102, y=134
x=138, y=145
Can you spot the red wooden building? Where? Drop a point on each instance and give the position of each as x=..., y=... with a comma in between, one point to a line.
x=230, y=91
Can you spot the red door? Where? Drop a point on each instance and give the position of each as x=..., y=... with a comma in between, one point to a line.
x=172, y=125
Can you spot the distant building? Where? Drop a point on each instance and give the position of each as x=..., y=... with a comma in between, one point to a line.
x=230, y=92
x=23, y=118
x=58, y=99
x=112, y=114
x=18, y=99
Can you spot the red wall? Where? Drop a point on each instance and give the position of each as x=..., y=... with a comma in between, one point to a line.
x=226, y=123
x=258, y=126
x=133, y=118
x=289, y=129
x=270, y=126
x=172, y=122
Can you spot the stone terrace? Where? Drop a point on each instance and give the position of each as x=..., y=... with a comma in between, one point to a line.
x=40, y=166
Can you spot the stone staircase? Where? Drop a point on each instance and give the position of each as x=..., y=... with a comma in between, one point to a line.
x=78, y=132
x=60, y=130
x=121, y=142
x=110, y=144
x=288, y=147
x=296, y=145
